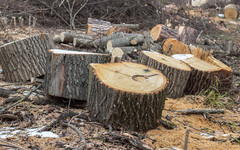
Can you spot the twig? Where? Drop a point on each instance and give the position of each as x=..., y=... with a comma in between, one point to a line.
x=21, y=100
x=10, y=145
x=201, y=111
x=76, y=130
x=186, y=139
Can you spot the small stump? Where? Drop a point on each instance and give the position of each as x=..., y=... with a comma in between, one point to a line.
x=175, y=70
x=129, y=95
x=23, y=59
x=67, y=73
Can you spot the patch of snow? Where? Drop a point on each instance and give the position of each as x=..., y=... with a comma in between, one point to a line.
x=59, y=51
x=182, y=56
x=221, y=15
x=208, y=136
x=1, y=70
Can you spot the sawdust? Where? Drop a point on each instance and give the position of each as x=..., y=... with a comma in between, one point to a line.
x=176, y=137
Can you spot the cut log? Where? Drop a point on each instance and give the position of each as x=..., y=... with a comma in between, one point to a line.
x=116, y=53
x=161, y=32
x=118, y=29
x=176, y=71
x=137, y=40
x=172, y=46
x=98, y=21
x=25, y=58
x=231, y=11
x=126, y=94
x=203, y=75
x=187, y=35
x=129, y=26
x=67, y=37
x=224, y=77
x=56, y=39
x=97, y=30
x=67, y=73
x=77, y=42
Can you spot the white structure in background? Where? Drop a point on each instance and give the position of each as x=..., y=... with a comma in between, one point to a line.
x=199, y=2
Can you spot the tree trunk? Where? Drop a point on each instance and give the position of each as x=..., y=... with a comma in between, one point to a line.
x=187, y=35
x=231, y=11
x=67, y=37
x=203, y=75
x=177, y=72
x=67, y=73
x=161, y=32
x=25, y=58
x=172, y=46
x=129, y=95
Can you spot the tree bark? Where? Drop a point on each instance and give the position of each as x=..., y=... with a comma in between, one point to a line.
x=161, y=32
x=203, y=75
x=67, y=73
x=98, y=21
x=187, y=35
x=77, y=42
x=172, y=46
x=67, y=37
x=126, y=94
x=56, y=39
x=97, y=30
x=177, y=72
x=25, y=58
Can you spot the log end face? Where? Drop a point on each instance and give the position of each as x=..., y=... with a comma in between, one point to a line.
x=155, y=32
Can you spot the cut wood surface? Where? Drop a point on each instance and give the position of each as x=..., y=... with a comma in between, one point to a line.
x=187, y=35
x=172, y=46
x=67, y=73
x=116, y=53
x=203, y=75
x=176, y=71
x=118, y=29
x=137, y=40
x=23, y=59
x=126, y=94
x=231, y=11
x=56, y=39
x=67, y=37
x=161, y=32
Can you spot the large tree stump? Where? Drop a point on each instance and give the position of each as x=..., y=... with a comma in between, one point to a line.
x=126, y=94
x=25, y=58
x=203, y=75
x=172, y=46
x=176, y=71
x=67, y=73
x=161, y=32
x=231, y=11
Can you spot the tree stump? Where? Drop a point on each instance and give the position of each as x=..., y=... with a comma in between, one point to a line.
x=67, y=73
x=187, y=35
x=176, y=71
x=203, y=75
x=126, y=94
x=231, y=11
x=161, y=32
x=225, y=76
x=25, y=58
x=172, y=46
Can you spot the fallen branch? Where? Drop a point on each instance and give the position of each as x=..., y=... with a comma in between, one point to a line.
x=186, y=139
x=200, y=111
x=21, y=100
x=10, y=145
x=9, y=116
x=83, y=141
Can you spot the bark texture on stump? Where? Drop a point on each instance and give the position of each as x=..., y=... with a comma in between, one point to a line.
x=172, y=46
x=126, y=94
x=203, y=75
x=231, y=11
x=161, y=32
x=67, y=73
x=23, y=59
x=225, y=77
x=176, y=71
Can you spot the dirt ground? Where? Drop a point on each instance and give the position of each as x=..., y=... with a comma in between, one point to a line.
x=206, y=132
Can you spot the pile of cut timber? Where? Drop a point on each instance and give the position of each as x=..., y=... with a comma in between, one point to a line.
x=126, y=94
x=23, y=59
x=67, y=73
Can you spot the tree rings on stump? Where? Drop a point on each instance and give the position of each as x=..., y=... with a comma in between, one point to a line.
x=125, y=94
x=67, y=73
x=172, y=46
x=175, y=70
x=23, y=59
